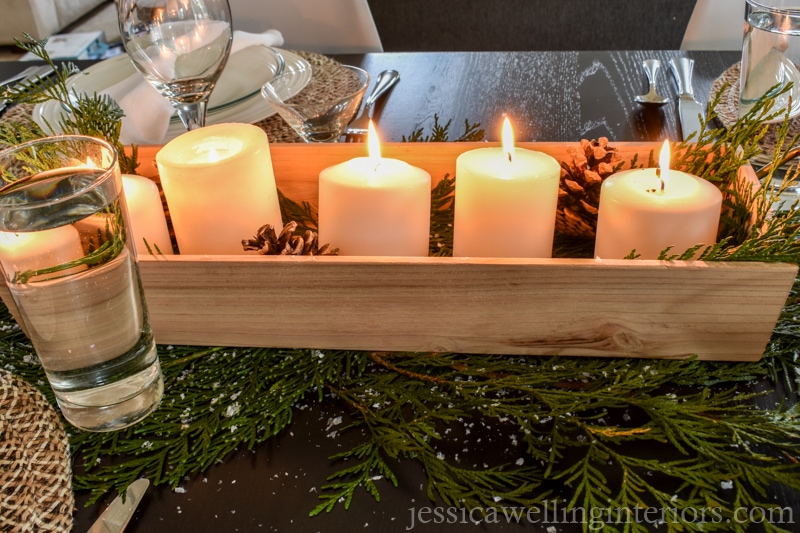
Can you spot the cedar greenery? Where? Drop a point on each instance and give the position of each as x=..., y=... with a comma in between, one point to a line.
x=581, y=429
x=95, y=115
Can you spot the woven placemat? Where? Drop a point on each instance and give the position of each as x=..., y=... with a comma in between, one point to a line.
x=35, y=475
x=728, y=110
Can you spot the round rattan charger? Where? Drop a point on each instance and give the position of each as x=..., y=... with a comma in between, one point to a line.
x=728, y=111
x=35, y=475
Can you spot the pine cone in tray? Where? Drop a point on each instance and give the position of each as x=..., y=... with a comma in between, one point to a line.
x=579, y=187
x=267, y=242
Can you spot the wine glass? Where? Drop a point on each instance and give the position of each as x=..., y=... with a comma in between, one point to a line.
x=181, y=47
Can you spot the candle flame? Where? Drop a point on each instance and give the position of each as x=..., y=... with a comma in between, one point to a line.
x=663, y=165
x=373, y=142
x=213, y=156
x=508, y=138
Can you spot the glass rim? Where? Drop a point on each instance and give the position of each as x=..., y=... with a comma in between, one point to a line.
x=347, y=96
x=783, y=10
x=7, y=188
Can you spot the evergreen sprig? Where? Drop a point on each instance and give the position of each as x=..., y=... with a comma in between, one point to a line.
x=93, y=115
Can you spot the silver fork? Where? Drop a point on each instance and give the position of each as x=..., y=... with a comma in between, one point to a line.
x=357, y=129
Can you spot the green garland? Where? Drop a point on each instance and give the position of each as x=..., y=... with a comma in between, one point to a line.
x=578, y=425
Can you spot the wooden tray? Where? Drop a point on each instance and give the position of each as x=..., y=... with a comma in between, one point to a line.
x=580, y=307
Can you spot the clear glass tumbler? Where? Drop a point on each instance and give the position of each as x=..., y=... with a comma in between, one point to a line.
x=71, y=268
x=771, y=54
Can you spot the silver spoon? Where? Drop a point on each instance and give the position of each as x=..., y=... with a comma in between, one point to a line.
x=651, y=67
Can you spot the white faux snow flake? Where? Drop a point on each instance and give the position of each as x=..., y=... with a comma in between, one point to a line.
x=440, y=456
x=319, y=353
x=179, y=490
x=333, y=422
x=520, y=461
x=147, y=445
x=726, y=484
x=232, y=410
x=551, y=529
x=234, y=428
x=496, y=499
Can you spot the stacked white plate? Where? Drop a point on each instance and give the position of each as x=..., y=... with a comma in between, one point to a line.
x=236, y=98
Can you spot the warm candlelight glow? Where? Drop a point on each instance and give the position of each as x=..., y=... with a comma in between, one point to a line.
x=508, y=139
x=500, y=188
x=375, y=205
x=373, y=142
x=663, y=165
x=651, y=209
x=219, y=185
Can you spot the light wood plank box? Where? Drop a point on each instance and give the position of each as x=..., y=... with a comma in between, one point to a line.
x=577, y=307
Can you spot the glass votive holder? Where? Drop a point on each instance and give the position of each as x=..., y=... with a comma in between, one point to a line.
x=324, y=108
x=72, y=272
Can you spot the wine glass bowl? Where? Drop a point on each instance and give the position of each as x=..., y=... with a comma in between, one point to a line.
x=324, y=108
x=180, y=47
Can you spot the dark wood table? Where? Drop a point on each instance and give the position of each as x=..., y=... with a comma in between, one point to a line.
x=551, y=96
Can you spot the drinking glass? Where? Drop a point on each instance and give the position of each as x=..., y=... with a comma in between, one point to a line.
x=770, y=54
x=70, y=266
x=181, y=47
x=324, y=108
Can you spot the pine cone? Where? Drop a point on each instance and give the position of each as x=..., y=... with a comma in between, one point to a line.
x=579, y=192
x=267, y=242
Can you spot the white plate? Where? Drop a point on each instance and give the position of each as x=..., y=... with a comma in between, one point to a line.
x=236, y=98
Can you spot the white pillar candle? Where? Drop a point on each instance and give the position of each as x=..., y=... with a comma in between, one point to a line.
x=638, y=213
x=146, y=216
x=220, y=187
x=375, y=206
x=505, y=203
x=26, y=251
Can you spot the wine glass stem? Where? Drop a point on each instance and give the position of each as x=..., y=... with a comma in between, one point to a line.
x=193, y=115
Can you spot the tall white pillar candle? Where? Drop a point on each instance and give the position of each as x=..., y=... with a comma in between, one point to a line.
x=375, y=206
x=647, y=212
x=505, y=201
x=220, y=187
x=146, y=215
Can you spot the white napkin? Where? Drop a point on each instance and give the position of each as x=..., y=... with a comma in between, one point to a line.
x=147, y=113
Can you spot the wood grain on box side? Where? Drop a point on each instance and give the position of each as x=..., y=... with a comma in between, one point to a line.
x=717, y=311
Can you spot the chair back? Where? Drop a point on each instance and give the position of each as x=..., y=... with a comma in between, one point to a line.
x=323, y=26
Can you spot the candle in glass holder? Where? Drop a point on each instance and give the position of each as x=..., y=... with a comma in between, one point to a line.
x=375, y=206
x=649, y=210
x=505, y=203
x=219, y=186
x=30, y=251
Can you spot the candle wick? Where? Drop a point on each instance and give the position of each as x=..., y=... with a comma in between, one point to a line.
x=658, y=175
x=509, y=156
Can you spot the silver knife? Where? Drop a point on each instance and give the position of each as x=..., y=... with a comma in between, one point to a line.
x=118, y=514
x=689, y=110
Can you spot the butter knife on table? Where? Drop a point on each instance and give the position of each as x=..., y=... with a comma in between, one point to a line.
x=689, y=110
x=118, y=514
